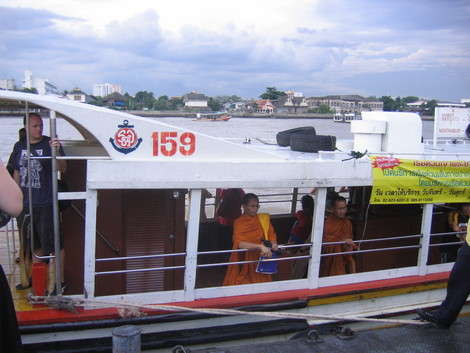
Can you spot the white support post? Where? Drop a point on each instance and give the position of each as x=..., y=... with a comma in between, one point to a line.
x=316, y=237
x=90, y=243
x=192, y=238
x=423, y=253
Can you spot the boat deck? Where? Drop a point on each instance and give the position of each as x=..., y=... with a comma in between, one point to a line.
x=399, y=339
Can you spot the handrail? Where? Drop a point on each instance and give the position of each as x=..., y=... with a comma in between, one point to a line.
x=140, y=270
x=139, y=257
x=253, y=261
x=447, y=244
x=446, y=233
x=375, y=240
x=245, y=250
x=371, y=250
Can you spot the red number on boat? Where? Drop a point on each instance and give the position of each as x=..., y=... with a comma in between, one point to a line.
x=188, y=142
x=167, y=143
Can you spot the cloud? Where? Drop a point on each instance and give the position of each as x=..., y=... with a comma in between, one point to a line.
x=317, y=47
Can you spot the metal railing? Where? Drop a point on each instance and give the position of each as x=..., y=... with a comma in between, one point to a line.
x=283, y=248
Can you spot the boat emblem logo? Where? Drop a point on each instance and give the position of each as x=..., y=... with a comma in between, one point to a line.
x=125, y=139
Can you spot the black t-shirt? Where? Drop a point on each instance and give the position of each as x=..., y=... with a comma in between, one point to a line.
x=41, y=171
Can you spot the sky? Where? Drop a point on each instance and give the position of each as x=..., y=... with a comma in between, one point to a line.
x=221, y=47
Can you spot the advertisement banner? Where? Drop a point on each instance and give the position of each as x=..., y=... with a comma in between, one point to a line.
x=407, y=181
x=451, y=122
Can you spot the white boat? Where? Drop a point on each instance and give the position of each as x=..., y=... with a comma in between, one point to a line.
x=129, y=244
x=346, y=117
x=219, y=116
x=338, y=118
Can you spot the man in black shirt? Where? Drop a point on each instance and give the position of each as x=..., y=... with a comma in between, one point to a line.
x=40, y=179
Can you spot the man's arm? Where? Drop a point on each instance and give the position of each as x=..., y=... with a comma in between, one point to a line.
x=11, y=197
x=61, y=163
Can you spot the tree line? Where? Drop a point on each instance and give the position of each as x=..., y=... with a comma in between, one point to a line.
x=145, y=100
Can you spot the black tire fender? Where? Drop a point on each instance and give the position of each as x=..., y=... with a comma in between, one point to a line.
x=467, y=131
x=283, y=137
x=308, y=143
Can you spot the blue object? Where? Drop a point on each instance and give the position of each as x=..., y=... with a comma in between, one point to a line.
x=267, y=267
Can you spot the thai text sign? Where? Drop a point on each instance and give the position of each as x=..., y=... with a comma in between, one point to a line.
x=404, y=181
x=451, y=122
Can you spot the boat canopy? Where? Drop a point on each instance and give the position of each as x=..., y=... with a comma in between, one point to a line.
x=145, y=153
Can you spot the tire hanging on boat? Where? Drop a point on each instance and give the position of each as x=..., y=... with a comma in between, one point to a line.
x=467, y=131
x=309, y=143
x=283, y=137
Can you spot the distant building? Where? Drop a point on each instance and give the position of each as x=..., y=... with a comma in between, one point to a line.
x=417, y=106
x=8, y=84
x=195, y=101
x=451, y=105
x=42, y=85
x=265, y=106
x=465, y=100
x=105, y=89
x=78, y=95
x=234, y=106
x=292, y=102
x=346, y=103
x=115, y=100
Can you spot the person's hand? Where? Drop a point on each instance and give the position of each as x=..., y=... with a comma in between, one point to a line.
x=350, y=245
x=265, y=251
x=275, y=247
x=54, y=142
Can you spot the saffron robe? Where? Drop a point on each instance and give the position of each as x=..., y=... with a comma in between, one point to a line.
x=336, y=229
x=248, y=229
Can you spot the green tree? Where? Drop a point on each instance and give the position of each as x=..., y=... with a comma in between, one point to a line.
x=161, y=103
x=389, y=103
x=97, y=101
x=144, y=99
x=272, y=93
x=29, y=90
x=410, y=99
x=214, y=104
x=175, y=103
x=429, y=107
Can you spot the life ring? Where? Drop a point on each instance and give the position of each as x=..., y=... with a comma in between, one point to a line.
x=283, y=137
x=308, y=143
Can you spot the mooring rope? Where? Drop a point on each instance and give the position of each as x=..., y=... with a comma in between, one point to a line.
x=70, y=304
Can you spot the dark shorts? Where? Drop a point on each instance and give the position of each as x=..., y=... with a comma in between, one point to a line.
x=43, y=228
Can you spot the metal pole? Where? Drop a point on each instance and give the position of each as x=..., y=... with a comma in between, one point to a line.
x=295, y=195
x=55, y=206
x=317, y=237
x=30, y=191
x=426, y=223
x=192, y=236
x=126, y=339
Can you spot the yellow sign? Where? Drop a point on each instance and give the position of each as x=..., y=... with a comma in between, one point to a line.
x=404, y=181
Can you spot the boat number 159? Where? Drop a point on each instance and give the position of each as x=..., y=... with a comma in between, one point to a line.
x=169, y=143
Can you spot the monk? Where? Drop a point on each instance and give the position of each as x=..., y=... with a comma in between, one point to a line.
x=248, y=233
x=338, y=228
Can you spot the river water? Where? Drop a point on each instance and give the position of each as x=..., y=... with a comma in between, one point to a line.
x=265, y=129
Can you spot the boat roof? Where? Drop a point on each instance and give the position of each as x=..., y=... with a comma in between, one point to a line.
x=134, y=150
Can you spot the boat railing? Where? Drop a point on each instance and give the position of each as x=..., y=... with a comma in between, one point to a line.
x=282, y=247
x=150, y=269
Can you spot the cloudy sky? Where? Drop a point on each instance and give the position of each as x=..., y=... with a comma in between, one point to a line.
x=218, y=47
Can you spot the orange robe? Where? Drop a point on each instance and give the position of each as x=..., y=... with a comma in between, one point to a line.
x=247, y=228
x=336, y=229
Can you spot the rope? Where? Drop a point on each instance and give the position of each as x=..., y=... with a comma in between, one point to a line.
x=70, y=304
